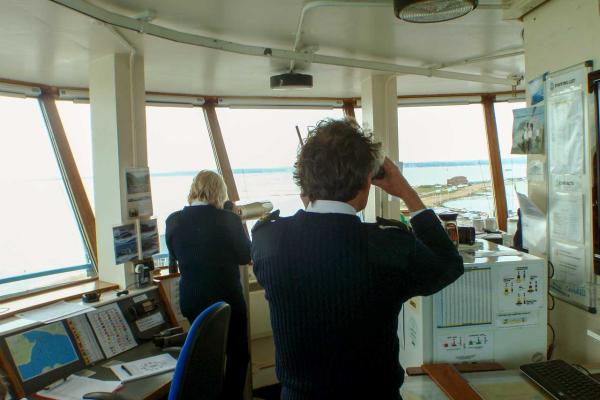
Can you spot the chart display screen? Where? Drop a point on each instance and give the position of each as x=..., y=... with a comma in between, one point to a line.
x=41, y=350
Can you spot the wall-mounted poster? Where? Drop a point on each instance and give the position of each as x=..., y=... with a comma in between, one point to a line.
x=528, y=130
x=125, y=243
x=139, y=195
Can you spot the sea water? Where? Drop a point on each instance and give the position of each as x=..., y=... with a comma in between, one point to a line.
x=41, y=231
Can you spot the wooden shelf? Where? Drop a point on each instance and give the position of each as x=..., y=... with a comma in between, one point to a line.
x=163, y=273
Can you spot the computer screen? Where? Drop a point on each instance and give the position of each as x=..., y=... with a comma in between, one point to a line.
x=41, y=350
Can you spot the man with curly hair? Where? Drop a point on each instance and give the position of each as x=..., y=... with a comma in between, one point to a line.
x=335, y=285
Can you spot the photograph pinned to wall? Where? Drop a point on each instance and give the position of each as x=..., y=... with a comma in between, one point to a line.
x=139, y=194
x=528, y=130
x=149, y=236
x=125, y=243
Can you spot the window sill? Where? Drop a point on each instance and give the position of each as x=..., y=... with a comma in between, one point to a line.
x=11, y=307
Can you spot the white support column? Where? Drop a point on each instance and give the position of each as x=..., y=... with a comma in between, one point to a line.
x=118, y=117
x=380, y=115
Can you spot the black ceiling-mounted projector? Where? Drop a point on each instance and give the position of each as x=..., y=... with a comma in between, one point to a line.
x=291, y=80
x=427, y=11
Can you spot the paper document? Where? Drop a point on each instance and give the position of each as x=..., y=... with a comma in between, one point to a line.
x=85, y=339
x=566, y=217
x=74, y=387
x=144, y=368
x=520, y=289
x=467, y=301
x=495, y=253
x=566, y=132
x=569, y=263
x=149, y=322
x=55, y=312
x=112, y=330
x=533, y=223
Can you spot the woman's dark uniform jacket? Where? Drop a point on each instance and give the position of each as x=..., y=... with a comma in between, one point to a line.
x=209, y=245
x=335, y=287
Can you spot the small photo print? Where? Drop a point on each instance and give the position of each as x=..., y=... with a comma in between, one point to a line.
x=138, y=180
x=150, y=238
x=125, y=243
x=528, y=131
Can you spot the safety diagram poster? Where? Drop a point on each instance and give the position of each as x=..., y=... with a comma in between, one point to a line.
x=522, y=289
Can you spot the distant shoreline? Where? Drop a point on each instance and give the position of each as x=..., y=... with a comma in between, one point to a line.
x=428, y=164
x=408, y=165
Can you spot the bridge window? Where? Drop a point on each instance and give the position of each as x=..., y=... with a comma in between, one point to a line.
x=262, y=145
x=445, y=155
x=178, y=148
x=42, y=244
x=75, y=118
x=514, y=166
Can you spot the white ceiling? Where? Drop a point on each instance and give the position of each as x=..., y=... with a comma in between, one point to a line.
x=41, y=41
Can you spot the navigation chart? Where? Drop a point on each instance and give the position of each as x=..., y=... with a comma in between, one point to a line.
x=41, y=350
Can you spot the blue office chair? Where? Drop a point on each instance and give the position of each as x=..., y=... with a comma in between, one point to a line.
x=201, y=364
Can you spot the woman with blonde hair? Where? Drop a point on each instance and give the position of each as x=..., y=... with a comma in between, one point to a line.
x=210, y=244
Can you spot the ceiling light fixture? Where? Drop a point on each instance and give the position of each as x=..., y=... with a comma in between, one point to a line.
x=426, y=11
x=291, y=80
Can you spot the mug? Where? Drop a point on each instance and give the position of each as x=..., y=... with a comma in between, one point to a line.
x=490, y=225
x=478, y=224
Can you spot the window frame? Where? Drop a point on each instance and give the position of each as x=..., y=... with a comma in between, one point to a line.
x=77, y=198
x=72, y=180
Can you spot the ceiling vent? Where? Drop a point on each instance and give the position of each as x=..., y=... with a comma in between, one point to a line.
x=291, y=80
x=427, y=11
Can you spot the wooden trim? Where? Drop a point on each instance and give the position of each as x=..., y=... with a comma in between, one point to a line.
x=163, y=273
x=495, y=161
x=167, y=303
x=451, y=382
x=53, y=90
x=59, y=286
x=348, y=108
x=68, y=166
x=593, y=77
x=12, y=377
x=220, y=152
x=37, y=300
x=462, y=368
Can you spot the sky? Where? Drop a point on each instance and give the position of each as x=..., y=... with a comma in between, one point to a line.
x=257, y=138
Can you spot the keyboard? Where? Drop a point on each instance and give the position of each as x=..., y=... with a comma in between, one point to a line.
x=562, y=380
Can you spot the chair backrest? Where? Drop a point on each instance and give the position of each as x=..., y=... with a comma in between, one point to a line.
x=201, y=363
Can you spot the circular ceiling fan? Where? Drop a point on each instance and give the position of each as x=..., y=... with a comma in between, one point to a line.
x=427, y=11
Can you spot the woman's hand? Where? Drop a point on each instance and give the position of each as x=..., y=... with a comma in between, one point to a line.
x=395, y=184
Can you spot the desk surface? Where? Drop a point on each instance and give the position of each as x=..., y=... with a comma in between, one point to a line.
x=497, y=385
x=153, y=387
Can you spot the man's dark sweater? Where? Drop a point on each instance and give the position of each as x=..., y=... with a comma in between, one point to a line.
x=335, y=287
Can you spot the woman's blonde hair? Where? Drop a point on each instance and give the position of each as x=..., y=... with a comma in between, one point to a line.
x=208, y=186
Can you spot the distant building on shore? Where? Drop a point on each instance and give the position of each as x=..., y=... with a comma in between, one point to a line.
x=457, y=180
